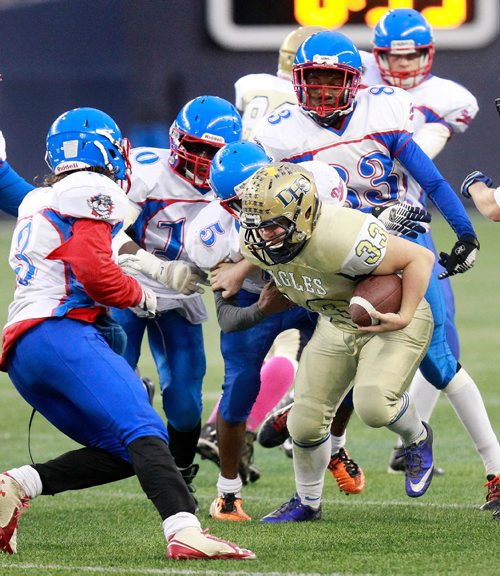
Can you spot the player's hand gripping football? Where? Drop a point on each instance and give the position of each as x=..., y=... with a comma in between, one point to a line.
x=461, y=258
x=403, y=219
x=471, y=178
x=175, y=274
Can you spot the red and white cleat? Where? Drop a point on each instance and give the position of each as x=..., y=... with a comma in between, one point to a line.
x=194, y=544
x=13, y=501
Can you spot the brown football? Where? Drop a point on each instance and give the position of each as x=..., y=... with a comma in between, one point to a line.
x=381, y=293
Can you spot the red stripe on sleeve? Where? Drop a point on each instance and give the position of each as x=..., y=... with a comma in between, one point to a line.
x=88, y=253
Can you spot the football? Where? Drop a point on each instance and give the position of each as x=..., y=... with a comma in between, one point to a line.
x=381, y=293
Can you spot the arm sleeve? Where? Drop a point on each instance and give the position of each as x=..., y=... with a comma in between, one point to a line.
x=88, y=253
x=423, y=169
x=13, y=189
x=432, y=138
x=232, y=318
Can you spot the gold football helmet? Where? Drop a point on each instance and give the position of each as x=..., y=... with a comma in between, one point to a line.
x=289, y=47
x=282, y=196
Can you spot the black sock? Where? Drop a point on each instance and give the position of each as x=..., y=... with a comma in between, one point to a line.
x=80, y=469
x=183, y=445
x=159, y=477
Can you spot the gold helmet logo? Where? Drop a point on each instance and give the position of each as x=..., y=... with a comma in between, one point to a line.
x=283, y=196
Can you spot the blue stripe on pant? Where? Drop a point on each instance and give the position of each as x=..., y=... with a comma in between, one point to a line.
x=66, y=370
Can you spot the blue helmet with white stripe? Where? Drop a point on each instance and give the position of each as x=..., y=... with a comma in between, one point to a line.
x=202, y=126
x=326, y=76
x=86, y=137
x=406, y=33
x=231, y=166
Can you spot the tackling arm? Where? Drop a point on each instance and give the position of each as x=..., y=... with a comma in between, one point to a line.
x=416, y=263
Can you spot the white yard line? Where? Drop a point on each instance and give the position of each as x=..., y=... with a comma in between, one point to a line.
x=139, y=570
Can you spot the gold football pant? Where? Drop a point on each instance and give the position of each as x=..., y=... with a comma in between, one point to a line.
x=380, y=367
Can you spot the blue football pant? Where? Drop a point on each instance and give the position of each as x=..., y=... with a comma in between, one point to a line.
x=439, y=365
x=244, y=352
x=65, y=369
x=179, y=354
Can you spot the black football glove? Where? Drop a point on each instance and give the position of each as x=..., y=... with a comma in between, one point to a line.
x=402, y=219
x=461, y=258
x=497, y=104
x=475, y=176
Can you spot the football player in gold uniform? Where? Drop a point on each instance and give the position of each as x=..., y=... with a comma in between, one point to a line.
x=316, y=254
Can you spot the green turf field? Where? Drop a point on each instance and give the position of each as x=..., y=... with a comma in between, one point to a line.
x=115, y=530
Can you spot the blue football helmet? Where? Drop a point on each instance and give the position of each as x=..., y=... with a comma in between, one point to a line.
x=231, y=166
x=403, y=32
x=203, y=125
x=326, y=76
x=86, y=137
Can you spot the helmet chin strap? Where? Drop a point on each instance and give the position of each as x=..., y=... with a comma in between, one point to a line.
x=331, y=119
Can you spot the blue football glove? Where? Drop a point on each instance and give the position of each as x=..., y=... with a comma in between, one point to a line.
x=461, y=258
x=475, y=176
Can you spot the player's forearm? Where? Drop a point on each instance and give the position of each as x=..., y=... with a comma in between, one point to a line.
x=416, y=276
x=486, y=200
x=232, y=318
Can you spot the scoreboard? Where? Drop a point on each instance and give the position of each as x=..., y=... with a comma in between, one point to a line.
x=263, y=24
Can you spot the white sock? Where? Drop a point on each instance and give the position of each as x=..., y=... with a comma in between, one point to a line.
x=29, y=479
x=425, y=396
x=467, y=402
x=309, y=465
x=229, y=486
x=408, y=423
x=337, y=442
x=178, y=522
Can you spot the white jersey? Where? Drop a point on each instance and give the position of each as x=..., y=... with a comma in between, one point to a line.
x=47, y=288
x=213, y=236
x=256, y=95
x=167, y=204
x=435, y=100
x=362, y=150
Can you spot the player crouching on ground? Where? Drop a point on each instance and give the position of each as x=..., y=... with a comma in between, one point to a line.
x=316, y=254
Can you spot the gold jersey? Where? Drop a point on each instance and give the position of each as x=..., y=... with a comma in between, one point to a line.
x=345, y=246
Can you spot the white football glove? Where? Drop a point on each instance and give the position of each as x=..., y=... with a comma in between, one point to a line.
x=147, y=306
x=403, y=219
x=3, y=148
x=174, y=274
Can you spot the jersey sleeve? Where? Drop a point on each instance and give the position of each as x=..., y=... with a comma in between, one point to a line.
x=450, y=104
x=88, y=253
x=423, y=169
x=94, y=197
x=211, y=238
x=13, y=189
x=368, y=250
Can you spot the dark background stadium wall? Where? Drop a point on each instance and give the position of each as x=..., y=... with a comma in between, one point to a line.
x=140, y=60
